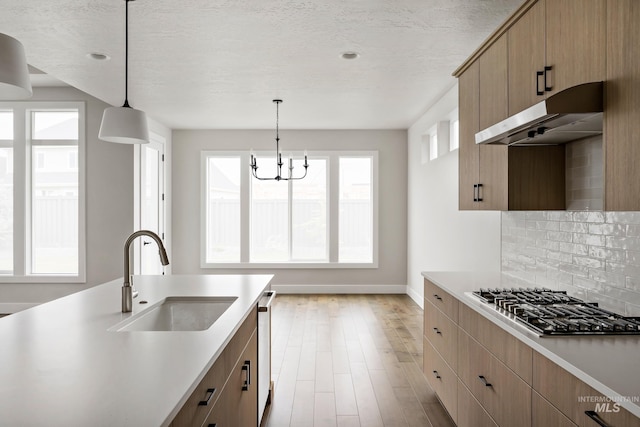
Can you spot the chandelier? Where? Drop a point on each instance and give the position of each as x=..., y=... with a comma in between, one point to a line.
x=278, y=177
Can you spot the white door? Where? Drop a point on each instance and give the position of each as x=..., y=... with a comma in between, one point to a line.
x=151, y=194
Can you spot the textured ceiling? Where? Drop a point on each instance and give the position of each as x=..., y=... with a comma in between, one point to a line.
x=217, y=64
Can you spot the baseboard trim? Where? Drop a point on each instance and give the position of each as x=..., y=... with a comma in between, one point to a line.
x=419, y=299
x=340, y=289
x=14, y=307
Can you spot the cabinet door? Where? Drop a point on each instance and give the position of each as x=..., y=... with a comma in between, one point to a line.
x=468, y=159
x=621, y=125
x=526, y=58
x=576, y=42
x=493, y=160
x=493, y=83
x=242, y=388
x=494, y=171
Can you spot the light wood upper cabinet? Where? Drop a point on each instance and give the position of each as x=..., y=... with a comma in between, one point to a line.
x=526, y=40
x=556, y=44
x=622, y=107
x=468, y=155
x=576, y=42
x=493, y=83
x=482, y=169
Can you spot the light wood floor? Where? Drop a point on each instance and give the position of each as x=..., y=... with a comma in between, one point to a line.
x=350, y=360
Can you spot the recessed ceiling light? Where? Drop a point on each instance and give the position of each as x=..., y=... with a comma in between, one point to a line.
x=349, y=55
x=98, y=56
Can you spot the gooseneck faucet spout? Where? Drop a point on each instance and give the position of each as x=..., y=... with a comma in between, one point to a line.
x=127, y=289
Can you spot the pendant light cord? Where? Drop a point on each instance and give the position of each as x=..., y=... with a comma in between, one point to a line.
x=126, y=54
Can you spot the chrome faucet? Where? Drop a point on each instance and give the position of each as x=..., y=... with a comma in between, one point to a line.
x=128, y=293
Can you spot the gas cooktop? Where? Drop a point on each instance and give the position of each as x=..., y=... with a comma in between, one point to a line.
x=548, y=312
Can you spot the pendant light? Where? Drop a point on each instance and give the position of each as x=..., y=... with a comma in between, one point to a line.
x=279, y=164
x=15, y=83
x=124, y=125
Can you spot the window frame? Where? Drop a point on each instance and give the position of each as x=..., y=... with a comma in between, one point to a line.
x=333, y=158
x=24, y=165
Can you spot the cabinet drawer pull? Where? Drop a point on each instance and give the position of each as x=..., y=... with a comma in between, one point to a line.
x=437, y=374
x=475, y=192
x=207, y=397
x=438, y=297
x=547, y=88
x=247, y=370
x=213, y=425
x=538, y=75
x=595, y=417
x=437, y=331
x=479, y=194
x=484, y=381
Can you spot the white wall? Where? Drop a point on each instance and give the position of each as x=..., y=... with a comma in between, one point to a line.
x=391, y=274
x=109, y=208
x=440, y=237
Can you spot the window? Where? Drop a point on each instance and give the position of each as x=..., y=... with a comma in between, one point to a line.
x=41, y=229
x=454, y=142
x=250, y=222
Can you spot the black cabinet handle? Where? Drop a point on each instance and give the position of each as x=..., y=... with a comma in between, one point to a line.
x=479, y=195
x=595, y=417
x=475, y=192
x=538, y=75
x=547, y=88
x=437, y=374
x=437, y=331
x=438, y=297
x=247, y=380
x=210, y=393
x=213, y=425
x=484, y=381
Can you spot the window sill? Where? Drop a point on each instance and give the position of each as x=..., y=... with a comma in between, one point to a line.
x=41, y=279
x=289, y=265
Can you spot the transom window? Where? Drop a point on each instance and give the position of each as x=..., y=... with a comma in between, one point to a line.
x=42, y=191
x=298, y=223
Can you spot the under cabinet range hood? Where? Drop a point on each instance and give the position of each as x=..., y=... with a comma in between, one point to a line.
x=569, y=115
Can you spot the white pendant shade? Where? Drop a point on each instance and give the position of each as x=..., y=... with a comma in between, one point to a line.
x=15, y=83
x=124, y=125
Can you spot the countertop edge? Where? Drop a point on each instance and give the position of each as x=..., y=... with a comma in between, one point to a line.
x=624, y=402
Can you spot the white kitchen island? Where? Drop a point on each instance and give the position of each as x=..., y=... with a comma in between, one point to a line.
x=60, y=365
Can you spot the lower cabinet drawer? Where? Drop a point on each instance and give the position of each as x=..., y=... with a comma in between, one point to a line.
x=441, y=299
x=545, y=414
x=575, y=399
x=503, y=394
x=442, y=333
x=470, y=413
x=442, y=379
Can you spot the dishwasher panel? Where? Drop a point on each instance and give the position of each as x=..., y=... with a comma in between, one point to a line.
x=264, y=351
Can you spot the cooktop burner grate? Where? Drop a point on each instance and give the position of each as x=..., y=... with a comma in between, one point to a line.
x=550, y=312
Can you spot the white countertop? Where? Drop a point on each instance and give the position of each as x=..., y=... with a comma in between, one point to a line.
x=609, y=364
x=60, y=366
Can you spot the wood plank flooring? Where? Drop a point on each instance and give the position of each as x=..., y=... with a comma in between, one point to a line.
x=350, y=360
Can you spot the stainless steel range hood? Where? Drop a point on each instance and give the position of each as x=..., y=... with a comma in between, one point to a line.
x=569, y=115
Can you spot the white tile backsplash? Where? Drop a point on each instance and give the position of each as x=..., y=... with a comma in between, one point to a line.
x=591, y=255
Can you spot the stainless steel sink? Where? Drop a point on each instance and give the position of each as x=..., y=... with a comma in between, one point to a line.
x=178, y=314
